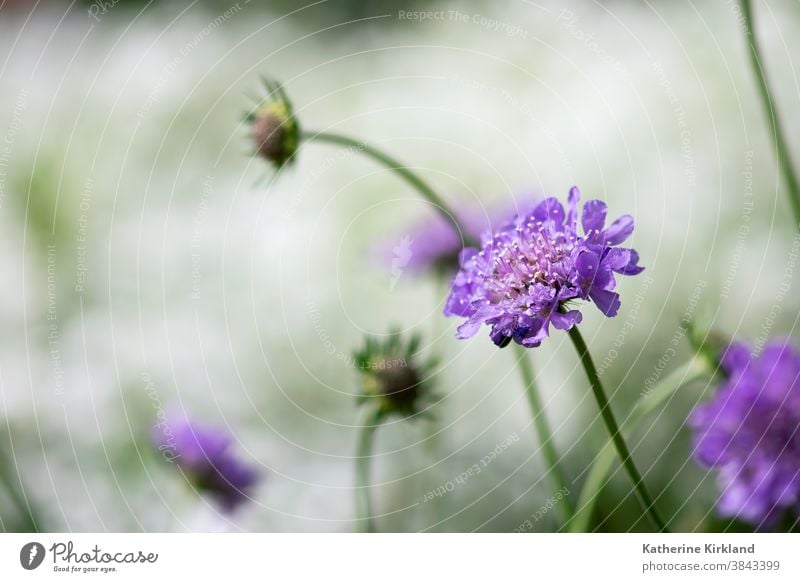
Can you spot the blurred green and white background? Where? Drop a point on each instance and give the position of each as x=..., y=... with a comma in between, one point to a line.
x=147, y=263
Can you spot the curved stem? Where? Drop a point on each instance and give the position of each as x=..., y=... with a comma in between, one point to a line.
x=613, y=430
x=403, y=171
x=778, y=138
x=543, y=432
x=363, y=460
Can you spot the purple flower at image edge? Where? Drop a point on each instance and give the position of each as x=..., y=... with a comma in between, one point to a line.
x=204, y=455
x=750, y=433
x=529, y=272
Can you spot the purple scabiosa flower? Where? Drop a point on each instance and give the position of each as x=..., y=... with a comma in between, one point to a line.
x=750, y=432
x=530, y=271
x=203, y=454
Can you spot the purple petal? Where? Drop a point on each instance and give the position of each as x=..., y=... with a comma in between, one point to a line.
x=458, y=305
x=587, y=264
x=502, y=331
x=593, y=218
x=607, y=301
x=552, y=210
x=572, y=208
x=469, y=328
x=566, y=320
x=632, y=268
x=535, y=335
x=736, y=357
x=617, y=259
x=619, y=230
x=604, y=279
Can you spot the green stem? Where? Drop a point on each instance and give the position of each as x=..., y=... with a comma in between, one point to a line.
x=683, y=376
x=779, y=139
x=613, y=430
x=23, y=507
x=363, y=461
x=543, y=432
x=403, y=171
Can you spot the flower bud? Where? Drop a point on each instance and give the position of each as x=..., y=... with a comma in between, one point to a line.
x=273, y=127
x=392, y=379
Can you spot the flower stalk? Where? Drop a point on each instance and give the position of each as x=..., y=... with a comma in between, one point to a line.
x=543, y=431
x=400, y=169
x=366, y=440
x=665, y=390
x=778, y=137
x=612, y=426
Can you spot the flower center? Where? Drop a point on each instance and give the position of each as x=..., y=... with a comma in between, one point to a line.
x=531, y=254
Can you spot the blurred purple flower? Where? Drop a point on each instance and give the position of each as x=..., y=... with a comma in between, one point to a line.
x=433, y=245
x=521, y=279
x=750, y=432
x=203, y=454
x=430, y=245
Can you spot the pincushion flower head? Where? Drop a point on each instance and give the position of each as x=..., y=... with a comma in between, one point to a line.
x=204, y=455
x=394, y=381
x=535, y=270
x=750, y=432
x=273, y=127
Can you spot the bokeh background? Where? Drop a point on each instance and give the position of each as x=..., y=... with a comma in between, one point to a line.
x=150, y=263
